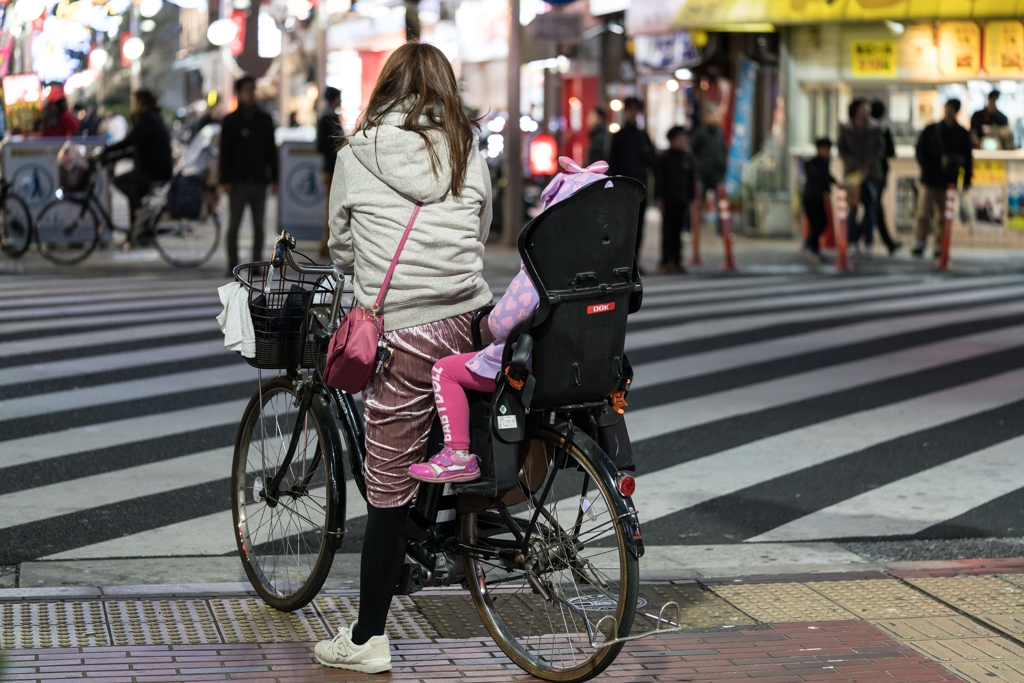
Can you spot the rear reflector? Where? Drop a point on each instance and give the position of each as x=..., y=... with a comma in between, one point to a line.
x=627, y=485
x=601, y=308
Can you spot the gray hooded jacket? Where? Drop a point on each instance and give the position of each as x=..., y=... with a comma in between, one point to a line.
x=377, y=178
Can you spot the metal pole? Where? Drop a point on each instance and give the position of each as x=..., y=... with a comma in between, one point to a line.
x=512, y=214
x=135, y=81
x=284, y=82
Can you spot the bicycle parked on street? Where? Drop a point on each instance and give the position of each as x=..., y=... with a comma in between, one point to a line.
x=548, y=540
x=69, y=228
x=15, y=221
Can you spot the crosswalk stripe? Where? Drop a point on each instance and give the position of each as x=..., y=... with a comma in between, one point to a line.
x=663, y=285
x=110, y=361
x=77, y=311
x=667, y=418
x=124, y=391
x=42, y=447
x=682, y=486
x=85, y=340
x=46, y=303
x=59, y=326
x=76, y=495
x=703, y=329
x=815, y=300
x=206, y=535
x=866, y=285
x=660, y=372
x=917, y=502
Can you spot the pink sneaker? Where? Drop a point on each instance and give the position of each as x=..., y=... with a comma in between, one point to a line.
x=447, y=466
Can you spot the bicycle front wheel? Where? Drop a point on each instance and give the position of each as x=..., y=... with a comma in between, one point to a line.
x=17, y=225
x=187, y=242
x=67, y=231
x=287, y=534
x=543, y=607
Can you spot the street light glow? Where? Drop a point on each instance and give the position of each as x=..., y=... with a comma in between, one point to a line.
x=133, y=48
x=683, y=74
x=616, y=105
x=672, y=85
x=222, y=32
x=29, y=10
x=150, y=8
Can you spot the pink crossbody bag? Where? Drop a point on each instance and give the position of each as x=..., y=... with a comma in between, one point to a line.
x=353, y=353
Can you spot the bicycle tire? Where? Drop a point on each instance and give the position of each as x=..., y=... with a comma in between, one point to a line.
x=284, y=591
x=491, y=599
x=17, y=237
x=185, y=242
x=74, y=240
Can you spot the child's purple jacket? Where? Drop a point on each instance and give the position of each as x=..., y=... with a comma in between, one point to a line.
x=521, y=298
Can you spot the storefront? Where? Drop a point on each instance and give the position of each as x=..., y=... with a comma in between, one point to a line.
x=912, y=58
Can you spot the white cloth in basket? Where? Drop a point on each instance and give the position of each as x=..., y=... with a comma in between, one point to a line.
x=235, y=320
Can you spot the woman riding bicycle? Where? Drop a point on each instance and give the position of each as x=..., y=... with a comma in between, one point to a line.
x=414, y=144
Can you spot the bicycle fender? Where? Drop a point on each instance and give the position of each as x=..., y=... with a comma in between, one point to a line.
x=625, y=511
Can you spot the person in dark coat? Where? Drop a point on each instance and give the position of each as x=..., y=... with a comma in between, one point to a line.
x=819, y=184
x=328, y=139
x=632, y=155
x=943, y=152
x=878, y=114
x=710, y=155
x=150, y=144
x=989, y=116
x=248, y=164
x=674, y=178
x=597, y=149
x=862, y=148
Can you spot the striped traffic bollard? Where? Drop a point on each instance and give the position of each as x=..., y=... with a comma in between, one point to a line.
x=840, y=216
x=725, y=221
x=695, y=225
x=947, y=227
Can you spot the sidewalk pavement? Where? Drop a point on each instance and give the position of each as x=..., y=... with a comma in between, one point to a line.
x=906, y=622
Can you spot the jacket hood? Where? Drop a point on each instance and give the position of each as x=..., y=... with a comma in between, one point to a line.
x=399, y=159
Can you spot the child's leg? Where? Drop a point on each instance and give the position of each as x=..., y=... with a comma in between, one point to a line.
x=451, y=380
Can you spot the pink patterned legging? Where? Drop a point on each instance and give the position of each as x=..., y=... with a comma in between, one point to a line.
x=451, y=380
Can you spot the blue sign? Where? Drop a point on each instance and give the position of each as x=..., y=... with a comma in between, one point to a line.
x=304, y=184
x=34, y=183
x=742, y=121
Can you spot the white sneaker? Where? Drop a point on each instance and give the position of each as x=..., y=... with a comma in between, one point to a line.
x=372, y=657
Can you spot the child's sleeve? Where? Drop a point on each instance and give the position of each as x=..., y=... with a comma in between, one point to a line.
x=518, y=304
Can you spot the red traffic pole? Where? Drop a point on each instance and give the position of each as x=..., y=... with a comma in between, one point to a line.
x=839, y=218
x=695, y=225
x=947, y=227
x=725, y=220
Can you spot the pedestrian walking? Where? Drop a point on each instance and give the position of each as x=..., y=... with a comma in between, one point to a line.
x=862, y=149
x=710, y=155
x=328, y=139
x=817, y=187
x=248, y=164
x=674, y=179
x=878, y=114
x=988, y=121
x=58, y=120
x=943, y=152
x=414, y=145
x=597, y=149
x=150, y=144
x=631, y=154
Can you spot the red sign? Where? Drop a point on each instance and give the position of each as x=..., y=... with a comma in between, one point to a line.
x=601, y=308
x=543, y=155
x=238, y=44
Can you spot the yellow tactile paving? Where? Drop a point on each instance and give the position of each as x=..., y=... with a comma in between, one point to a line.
x=970, y=650
x=247, y=620
x=932, y=628
x=782, y=602
x=52, y=624
x=975, y=594
x=161, y=622
x=404, y=619
x=880, y=599
x=1005, y=672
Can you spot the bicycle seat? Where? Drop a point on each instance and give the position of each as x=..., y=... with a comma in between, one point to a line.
x=580, y=255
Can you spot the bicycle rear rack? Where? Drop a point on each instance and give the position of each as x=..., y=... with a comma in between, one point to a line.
x=674, y=627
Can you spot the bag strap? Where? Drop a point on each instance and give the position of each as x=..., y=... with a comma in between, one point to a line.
x=394, y=262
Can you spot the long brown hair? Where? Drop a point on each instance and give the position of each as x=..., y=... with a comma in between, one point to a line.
x=418, y=79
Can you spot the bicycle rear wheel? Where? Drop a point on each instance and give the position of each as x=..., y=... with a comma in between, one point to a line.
x=286, y=539
x=187, y=242
x=17, y=225
x=67, y=231
x=543, y=608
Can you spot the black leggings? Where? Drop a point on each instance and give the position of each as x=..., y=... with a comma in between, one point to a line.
x=380, y=566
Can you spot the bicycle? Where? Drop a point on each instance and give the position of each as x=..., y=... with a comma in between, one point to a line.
x=15, y=222
x=548, y=540
x=70, y=227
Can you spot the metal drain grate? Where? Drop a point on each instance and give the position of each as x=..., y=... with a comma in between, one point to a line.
x=52, y=624
x=161, y=622
x=404, y=621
